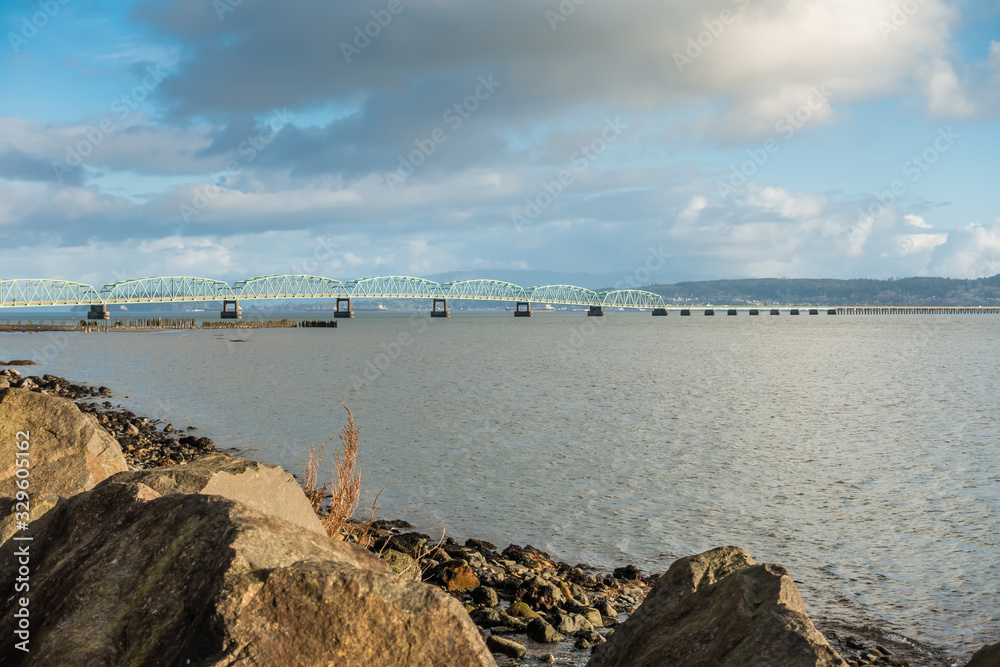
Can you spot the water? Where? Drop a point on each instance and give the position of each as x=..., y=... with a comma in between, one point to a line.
x=859, y=452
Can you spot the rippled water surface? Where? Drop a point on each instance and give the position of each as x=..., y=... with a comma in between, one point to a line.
x=859, y=452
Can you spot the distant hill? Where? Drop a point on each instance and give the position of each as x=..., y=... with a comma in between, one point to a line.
x=526, y=278
x=824, y=292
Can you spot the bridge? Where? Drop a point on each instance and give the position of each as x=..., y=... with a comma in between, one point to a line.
x=22, y=293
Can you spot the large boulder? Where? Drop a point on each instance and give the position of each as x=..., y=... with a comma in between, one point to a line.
x=38, y=505
x=719, y=609
x=267, y=489
x=122, y=575
x=69, y=451
x=987, y=656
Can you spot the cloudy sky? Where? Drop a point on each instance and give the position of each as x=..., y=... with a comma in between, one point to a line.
x=745, y=138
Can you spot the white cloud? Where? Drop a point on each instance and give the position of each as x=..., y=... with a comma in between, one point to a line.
x=946, y=95
x=972, y=251
x=917, y=221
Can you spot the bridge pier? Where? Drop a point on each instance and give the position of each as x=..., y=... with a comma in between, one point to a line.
x=235, y=314
x=709, y=312
x=754, y=311
x=685, y=312
x=775, y=311
x=339, y=312
x=596, y=311
x=443, y=312
x=793, y=311
x=660, y=312
x=831, y=311
x=518, y=312
x=98, y=312
x=731, y=311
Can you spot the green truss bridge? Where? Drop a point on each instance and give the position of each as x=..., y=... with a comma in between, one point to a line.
x=21, y=293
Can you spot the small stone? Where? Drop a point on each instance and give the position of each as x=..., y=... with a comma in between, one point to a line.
x=522, y=610
x=456, y=576
x=486, y=618
x=480, y=545
x=505, y=646
x=628, y=573
x=547, y=658
x=543, y=632
x=485, y=596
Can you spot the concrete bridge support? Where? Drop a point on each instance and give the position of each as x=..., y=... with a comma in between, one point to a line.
x=443, y=311
x=659, y=312
x=523, y=309
x=231, y=310
x=340, y=310
x=596, y=311
x=98, y=312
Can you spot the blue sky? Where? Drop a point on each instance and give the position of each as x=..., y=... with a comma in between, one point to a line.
x=746, y=138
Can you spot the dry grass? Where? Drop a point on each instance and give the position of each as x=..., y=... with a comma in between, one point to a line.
x=347, y=491
x=346, y=485
x=314, y=493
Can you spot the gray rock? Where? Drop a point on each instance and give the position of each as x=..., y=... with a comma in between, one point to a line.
x=505, y=646
x=485, y=596
x=540, y=630
x=197, y=579
x=719, y=608
x=987, y=656
x=267, y=489
x=569, y=624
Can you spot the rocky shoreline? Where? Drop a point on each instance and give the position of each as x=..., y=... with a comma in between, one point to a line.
x=528, y=606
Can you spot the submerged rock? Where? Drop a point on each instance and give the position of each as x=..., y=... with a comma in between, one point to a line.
x=719, y=608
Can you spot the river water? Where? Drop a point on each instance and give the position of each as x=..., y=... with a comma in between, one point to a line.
x=859, y=452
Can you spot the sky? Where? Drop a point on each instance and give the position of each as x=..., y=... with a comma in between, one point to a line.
x=736, y=138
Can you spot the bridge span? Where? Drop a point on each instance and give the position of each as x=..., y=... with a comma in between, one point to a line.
x=173, y=289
